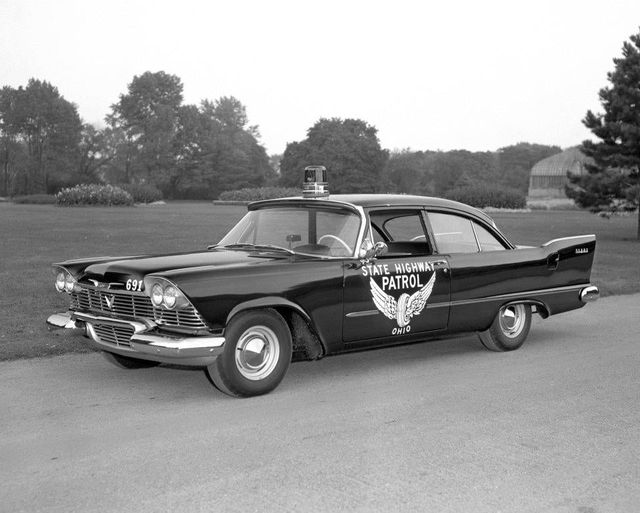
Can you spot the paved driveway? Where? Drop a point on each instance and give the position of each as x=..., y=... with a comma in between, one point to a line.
x=444, y=426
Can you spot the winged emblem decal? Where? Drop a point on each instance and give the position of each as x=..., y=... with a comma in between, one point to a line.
x=406, y=306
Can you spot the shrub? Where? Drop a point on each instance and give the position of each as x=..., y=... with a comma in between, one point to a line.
x=142, y=192
x=35, y=199
x=93, y=194
x=259, y=193
x=482, y=196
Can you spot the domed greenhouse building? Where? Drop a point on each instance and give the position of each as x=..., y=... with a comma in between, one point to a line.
x=549, y=176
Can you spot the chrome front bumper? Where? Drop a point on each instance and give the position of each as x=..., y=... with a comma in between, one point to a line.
x=147, y=342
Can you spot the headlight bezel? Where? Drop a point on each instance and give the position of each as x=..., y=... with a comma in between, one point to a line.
x=172, y=297
x=61, y=278
x=65, y=281
x=69, y=283
x=157, y=292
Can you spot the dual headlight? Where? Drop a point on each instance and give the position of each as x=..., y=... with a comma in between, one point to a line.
x=165, y=294
x=65, y=282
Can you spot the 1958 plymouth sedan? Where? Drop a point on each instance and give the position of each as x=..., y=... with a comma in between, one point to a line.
x=316, y=275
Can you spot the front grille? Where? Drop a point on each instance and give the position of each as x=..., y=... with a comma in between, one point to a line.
x=116, y=335
x=130, y=305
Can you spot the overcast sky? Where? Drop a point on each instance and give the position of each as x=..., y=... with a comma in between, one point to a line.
x=476, y=75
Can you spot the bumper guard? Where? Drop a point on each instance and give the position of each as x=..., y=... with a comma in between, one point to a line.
x=146, y=342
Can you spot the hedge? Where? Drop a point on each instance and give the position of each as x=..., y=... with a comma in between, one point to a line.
x=482, y=196
x=260, y=193
x=35, y=199
x=93, y=194
x=142, y=192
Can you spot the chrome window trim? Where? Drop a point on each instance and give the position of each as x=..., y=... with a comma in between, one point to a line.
x=475, y=236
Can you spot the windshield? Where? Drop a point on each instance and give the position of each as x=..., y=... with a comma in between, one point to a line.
x=307, y=230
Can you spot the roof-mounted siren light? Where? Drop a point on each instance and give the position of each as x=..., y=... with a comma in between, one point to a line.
x=315, y=182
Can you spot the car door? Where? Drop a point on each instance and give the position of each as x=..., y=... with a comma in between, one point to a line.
x=402, y=293
x=482, y=265
x=486, y=273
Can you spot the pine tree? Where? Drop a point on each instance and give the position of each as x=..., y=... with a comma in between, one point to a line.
x=612, y=182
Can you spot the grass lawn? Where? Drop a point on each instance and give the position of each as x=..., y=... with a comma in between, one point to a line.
x=34, y=236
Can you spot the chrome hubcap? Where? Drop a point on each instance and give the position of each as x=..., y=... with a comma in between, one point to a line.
x=257, y=352
x=512, y=320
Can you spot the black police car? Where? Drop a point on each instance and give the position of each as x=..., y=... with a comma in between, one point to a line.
x=317, y=275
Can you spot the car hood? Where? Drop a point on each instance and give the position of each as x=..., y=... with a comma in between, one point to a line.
x=136, y=268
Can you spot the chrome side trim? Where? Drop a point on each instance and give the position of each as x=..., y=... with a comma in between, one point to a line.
x=366, y=313
x=363, y=313
x=524, y=296
x=517, y=295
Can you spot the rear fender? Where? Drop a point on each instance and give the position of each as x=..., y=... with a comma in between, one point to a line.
x=576, y=252
x=541, y=308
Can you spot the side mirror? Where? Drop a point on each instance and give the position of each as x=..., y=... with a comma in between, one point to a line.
x=369, y=252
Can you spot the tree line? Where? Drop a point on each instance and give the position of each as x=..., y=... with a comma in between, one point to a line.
x=200, y=151
x=350, y=149
x=151, y=137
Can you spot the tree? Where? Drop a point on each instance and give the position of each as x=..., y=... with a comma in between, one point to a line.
x=241, y=161
x=148, y=118
x=93, y=153
x=349, y=149
x=185, y=150
x=37, y=120
x=461, y=167
x=613, y=181
x=409, y=172
x=515, y=163
x=10, y=146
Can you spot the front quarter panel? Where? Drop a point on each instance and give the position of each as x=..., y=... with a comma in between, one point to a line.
x=313, y=286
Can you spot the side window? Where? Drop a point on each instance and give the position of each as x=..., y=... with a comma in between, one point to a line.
x=486, y=239
x=405, y=228
x=453, y=234
x=402, y=230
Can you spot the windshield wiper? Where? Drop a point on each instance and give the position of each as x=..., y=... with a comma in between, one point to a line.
x=246, y=245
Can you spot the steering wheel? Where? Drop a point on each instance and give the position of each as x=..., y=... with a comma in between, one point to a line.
x=337, y=239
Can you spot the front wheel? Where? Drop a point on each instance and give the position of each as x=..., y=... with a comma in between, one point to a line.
x=509, y=329
x=256, y=356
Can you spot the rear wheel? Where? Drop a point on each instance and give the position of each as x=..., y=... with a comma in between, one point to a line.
x=126, y=362
x=509, y=329
x=256, y=356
